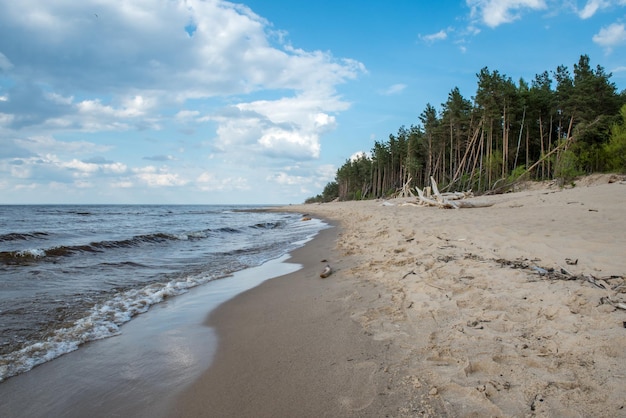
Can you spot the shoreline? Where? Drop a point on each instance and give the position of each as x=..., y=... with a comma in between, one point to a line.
x=290, y=347
x=139, y=372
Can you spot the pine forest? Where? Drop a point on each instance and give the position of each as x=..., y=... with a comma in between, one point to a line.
x=560, y=125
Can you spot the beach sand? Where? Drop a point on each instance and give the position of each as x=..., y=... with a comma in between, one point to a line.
x=289, y=348
x=435, y=312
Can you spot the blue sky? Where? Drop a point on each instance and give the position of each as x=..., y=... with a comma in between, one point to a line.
x=173, y=101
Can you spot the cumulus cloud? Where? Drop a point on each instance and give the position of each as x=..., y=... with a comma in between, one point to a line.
x=106, y=70
x=289, y=127
x=147, y=51
x=611, y=36
x=494, y=13
x=136, y=47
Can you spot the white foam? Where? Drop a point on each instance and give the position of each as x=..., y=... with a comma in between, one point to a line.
x=103, y=321
x=31, y=252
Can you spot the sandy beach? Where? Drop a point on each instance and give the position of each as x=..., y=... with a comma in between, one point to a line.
x=507, y=310
x=511, y=310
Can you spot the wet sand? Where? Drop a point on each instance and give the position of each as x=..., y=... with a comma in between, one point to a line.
x=290, y=347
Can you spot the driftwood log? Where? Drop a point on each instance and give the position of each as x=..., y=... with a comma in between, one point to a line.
x=455, y=200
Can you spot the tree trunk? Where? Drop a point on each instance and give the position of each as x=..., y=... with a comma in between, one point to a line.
x=543, y=165
x=550, y=146
x=505, y=143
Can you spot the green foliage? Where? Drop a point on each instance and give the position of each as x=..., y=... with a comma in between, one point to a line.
x=567, y=167
x=494, y=163
x=355, y=175
x=615, y=149
x=331, y=191
x=516, y=174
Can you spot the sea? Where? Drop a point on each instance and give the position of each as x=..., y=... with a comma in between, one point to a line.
x=70, y=274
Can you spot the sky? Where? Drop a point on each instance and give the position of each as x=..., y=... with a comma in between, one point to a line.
x=260, y=102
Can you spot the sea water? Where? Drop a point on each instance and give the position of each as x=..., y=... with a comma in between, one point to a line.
x=72, y=274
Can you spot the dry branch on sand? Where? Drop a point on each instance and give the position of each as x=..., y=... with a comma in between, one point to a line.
x=405, y=191
x=454, y=200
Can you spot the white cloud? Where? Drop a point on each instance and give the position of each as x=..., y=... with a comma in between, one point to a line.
x=158, y=177
x=325, y=174
x=136, y=47
x=288, y=128
x=394, y=89
x=359, y=155
x=288, y=143
x=591, y=7
x=187, y=115
x=283, y=178
x=209, y=182
x=81, y=167
x=47, y=168
x=93, y=115
x=156, y=75
x=42, y=144
x=610, y=36
x=494, y=13
x=433, y=37
x=122, y=184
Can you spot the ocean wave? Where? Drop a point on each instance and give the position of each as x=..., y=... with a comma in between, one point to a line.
x=22, y=236
x=268, y=225
x=21, y=257
x=27, y=256
x=30, y=255
x=103, y=321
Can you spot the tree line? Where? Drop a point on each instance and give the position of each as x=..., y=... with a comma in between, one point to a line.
x=558, y=126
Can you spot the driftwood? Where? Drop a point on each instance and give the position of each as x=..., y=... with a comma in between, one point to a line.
x=600, y=283
x=405, y=191
x=615, y=304
x=454, y=200
x=457, y=195
x=326, y=272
